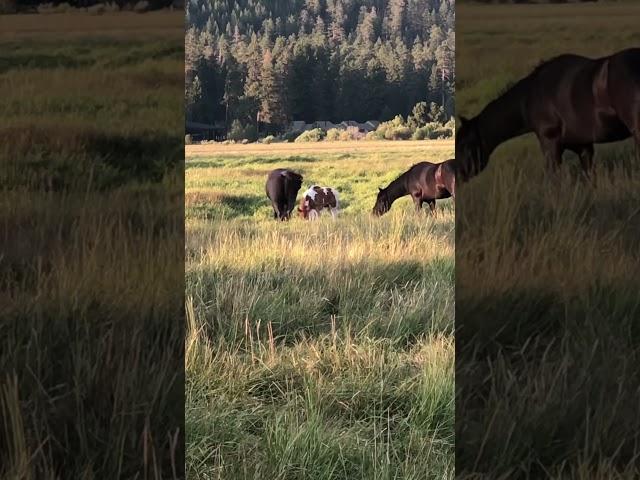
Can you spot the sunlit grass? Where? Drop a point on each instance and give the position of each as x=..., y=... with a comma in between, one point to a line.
x=321, y=349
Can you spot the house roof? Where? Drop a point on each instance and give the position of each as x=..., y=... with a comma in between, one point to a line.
x=204, y=126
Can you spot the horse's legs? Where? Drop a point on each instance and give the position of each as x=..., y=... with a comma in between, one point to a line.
x=552, y=151
x=334, y=212
x=417, y=201
x=586, y=160
x=432, y=207
x=585, y=153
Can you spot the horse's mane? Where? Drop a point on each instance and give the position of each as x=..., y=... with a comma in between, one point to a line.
x=509, y=85
x=543, y=63
x=536, y=69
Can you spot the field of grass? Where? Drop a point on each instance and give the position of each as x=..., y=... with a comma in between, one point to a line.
x=547, y=303
x=91, y=246
x=317, y=350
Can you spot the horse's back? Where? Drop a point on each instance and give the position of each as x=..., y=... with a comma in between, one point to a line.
x=575, y=98
x=422, y=165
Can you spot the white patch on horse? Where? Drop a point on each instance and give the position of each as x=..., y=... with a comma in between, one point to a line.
x=311, y=193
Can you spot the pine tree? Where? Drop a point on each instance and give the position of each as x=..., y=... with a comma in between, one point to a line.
x=444, y=64
x=337, y=23
x=272, y=105
x=314, y=6
x=367, y=29
x=193, y=94
x=395, y=18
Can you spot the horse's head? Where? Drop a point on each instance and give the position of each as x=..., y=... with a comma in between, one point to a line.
x=383, y=203
x=470, y=155
x=303, y=213
x=303, y=209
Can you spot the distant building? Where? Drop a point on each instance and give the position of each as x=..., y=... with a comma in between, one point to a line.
x=358, y=130
x=325, y=125
x=297, y=126
x=206, y=131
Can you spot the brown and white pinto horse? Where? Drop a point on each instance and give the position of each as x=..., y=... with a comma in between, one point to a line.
x=317, y=199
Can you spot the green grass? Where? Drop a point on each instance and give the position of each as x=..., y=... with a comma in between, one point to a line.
x=317, y=350
x=91, y=345
x=546, y=267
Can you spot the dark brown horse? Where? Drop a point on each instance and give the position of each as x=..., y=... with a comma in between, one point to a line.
x=570, y=102
x=424, y=181
x=282, y=189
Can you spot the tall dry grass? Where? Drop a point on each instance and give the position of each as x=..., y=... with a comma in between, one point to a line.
x=316, y=350
x=546, y=308
x=91, y=256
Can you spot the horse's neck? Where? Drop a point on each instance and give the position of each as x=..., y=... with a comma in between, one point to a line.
x=504, y=118
x=398, y=188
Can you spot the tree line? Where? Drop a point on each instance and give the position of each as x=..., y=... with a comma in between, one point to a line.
x=26, y=4
x=267, y=62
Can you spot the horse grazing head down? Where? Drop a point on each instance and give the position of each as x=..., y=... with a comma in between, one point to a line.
x=315, y=200
x=383, y=202
x=470, y=156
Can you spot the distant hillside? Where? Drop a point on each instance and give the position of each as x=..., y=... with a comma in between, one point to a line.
x=308, y=60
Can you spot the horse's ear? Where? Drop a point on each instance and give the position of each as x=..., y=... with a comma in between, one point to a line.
x=379, y=189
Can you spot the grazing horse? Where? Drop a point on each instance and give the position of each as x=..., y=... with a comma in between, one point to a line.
x=424, y=181
x=282, y=188
x=570, y=102
x=317, y=199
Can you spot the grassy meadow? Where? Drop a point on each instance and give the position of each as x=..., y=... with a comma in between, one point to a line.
x=317, y=350
x=91, y=330
x=547, y=303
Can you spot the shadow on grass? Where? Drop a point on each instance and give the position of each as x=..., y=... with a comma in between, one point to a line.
x=59, y=158
x=42, y=61
x=212, y=205
x=546, y=373
x=555, y=377
x=401, y=301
